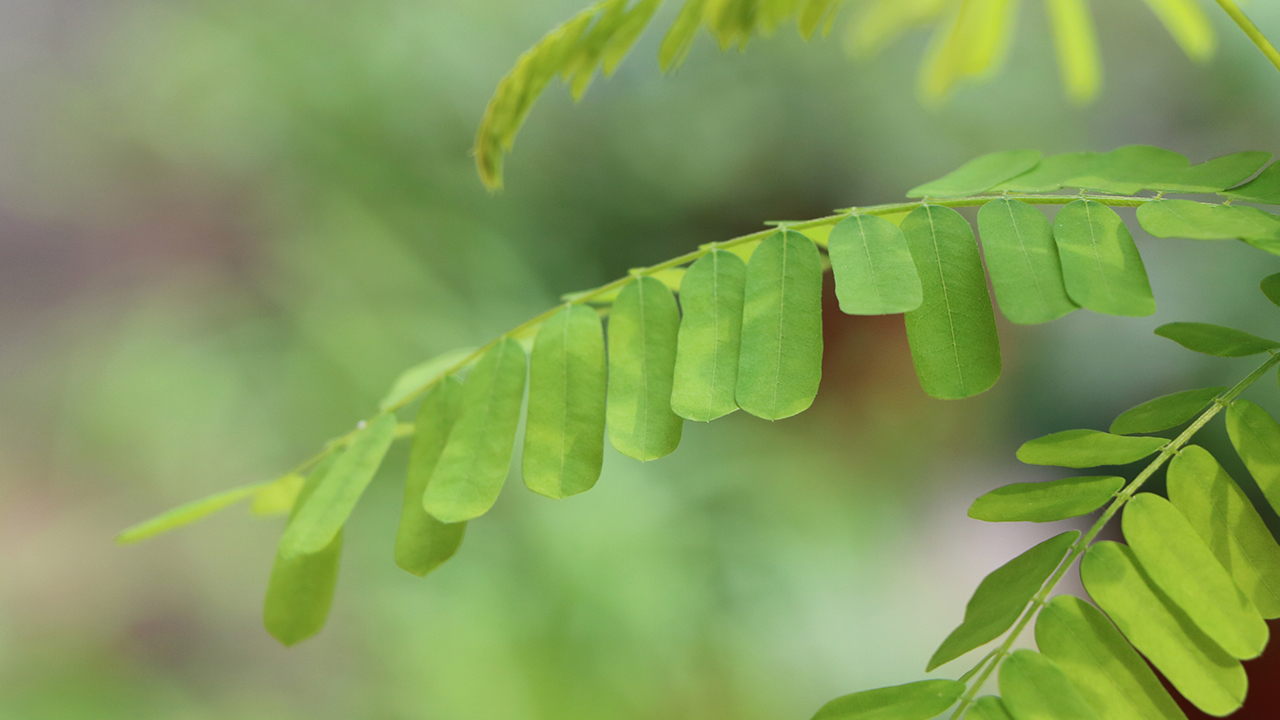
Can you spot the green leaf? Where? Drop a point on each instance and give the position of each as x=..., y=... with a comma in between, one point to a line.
x=707, y=347
x=1256, y=437
x=1033, y=687
x=1188, y=25
x=1212, y=176
x=1132, y=168
x=1228, y=523
x=564, y=426
x=979, y=175
x=580, y=68
x=872, y=265
x=679, y=38
x=626, y=34
x=880, y=22
x=326, y=510
x=1002, y=596
x=988, y=707
x=1202, y=221
x=1087, y=448
x=419, y=376
x=921, y=700
x=185, y=514
x=1164, y=412
x=1271, y=288
x=1100, y=263
x=780, y=364
x=423, y=543
x=1263, y=189
x=300, y=591
x=643, y=327
x=477, y=457
x=1076, y=38
x=1053, y=173
x=278, y=496
x=953, y=336
x=1215, y=339
x=1203, y=672
x=1110, y=676
x=1023, y=261
x=1180, y=564
x=817, y=13
x=1046, y=501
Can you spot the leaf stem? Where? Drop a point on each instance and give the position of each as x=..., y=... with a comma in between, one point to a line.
x=1251, y=30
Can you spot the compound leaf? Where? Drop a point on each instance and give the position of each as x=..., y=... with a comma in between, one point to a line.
x=643, y=327
x=710, y=337
x=564, y=426
x=1215, y=339
x=300, y=591
x=1201, y=221
x=186, y=514
x=988, y=707
x=1227, y=522
x=477, y=456
x=423, y=543
x=1164, y=412
x=979, y=175
x=1076, y=38
x=1271, y=288
x=1100, y=263
x=1002, y=596
x=780, y=365
x=1087, y=448
x=1204, y=673
x=1046, y=501
x=1032, y=687
x=1023, y=261
x=953, y=338
x=1256, y=437
x=1263, y=189
x=872, y=265
x=921, y=700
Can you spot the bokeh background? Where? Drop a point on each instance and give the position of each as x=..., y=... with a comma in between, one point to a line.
x=226, y=226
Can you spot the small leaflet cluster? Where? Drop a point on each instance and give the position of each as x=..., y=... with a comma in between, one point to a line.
x=746, y=334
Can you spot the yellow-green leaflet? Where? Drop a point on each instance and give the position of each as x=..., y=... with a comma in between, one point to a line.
x=1131, y=168
x=1111, y=677
x=780, y=364
x=988, y=707
x=679, y=38
x=564, y=426
x=1270, y=287
x=1076, y=38
x=1228, y=523
x=1164, y=412
x=953, y=333
x=626, y=34
x=973, y=43
x=1188, y=25
x=706, y=374
x=1215, y=339
x=643, y=326
x=815, y=13
x=423, y=543
x=1180, y=564
x=921, y=700
x=1211, y=176
x=185, y=514
x=326, y=510
x=1023, y=261
x=1100, y=263
x=979, y=175
x=1002, y=596
x=1205, y=674
x=1033, y=687
x=475, y=461
x=1053, y=173
x=1202, y=221
x=278, y=496
x=1256, y=438
x=1046, y=501
x=1263, y=189
x=1087, y=448
x=300, y=590
x=872, y=266
x=418, y=376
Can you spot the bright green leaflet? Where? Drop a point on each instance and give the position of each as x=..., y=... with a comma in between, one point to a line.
x=1033, y=687
x=1263, y=189
x=1212, y=176
x=423, y=543
x=872, y=266
x=1256, y=437
x=979, y=175
x=477, y=457
x=1188, y=25
x=1075, y=36
x=418, y=376
x=1087, y=448
x=1002, y=596
x=1053, y=173
x=278, y=496
x=679, y=38
x=1206, y=675
x=1215, y=339
x=300, y=591
x=706, y=376
x=1110, y=675
x=921, y=700
x=1046, y=501
x=988, y=707
x=1023, y=261
x=325, y=511
x=1100, y=263
x=643, y=326
x=953, y=336
x=1180, y=564
x=564, y=426
x=1130, y=169
x=629, y=30
x=1228, y=523
x=780, y=365
x=185, y=514
x=1271, y=288
x=1200, y=221
x=1164, y=412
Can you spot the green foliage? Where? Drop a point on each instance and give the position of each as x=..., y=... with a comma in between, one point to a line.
x=1215, y=339
x=1195, y=221
x=872, y=267
x=1087, y=448
x=423, y=542
x=710, y=337
x=643, y=328
x=1256, y=437
x=913, y=701
x=988, y=707
x=1270, y=286
x=1164, y=412
x=1033, y=686
x=186, y=514
x=1022, y=258
x=1100, y=263
x=1046, y=501
x=979, y=175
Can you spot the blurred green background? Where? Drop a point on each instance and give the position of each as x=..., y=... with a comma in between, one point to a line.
x=226, y=226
